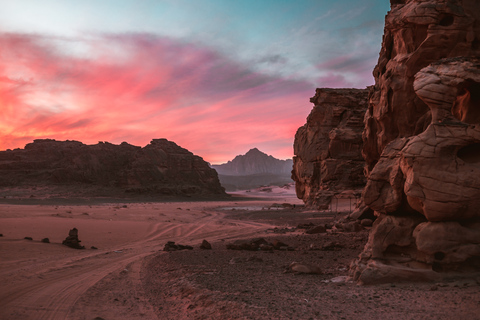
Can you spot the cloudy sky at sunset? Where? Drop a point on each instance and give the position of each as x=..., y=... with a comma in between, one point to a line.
x=218, y=77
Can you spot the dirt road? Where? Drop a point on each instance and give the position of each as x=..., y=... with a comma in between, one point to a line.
x=44, y=281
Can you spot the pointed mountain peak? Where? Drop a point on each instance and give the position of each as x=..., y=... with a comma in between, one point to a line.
x=253, y=151
x=255, y=162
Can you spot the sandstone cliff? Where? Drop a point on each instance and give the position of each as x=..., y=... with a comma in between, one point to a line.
x=327, y=148
x=421, y=143
x=160, y=168
x=417, y=33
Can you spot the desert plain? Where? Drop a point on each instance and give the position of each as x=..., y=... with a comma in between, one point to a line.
x=124, y=273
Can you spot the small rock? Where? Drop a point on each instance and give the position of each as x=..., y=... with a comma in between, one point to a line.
x=93, y=248
x=433, y=288
x=305, y=268
x=46, y=240
x=28, y=238
x=330, y=245
x=236, y=260
x=316, y=229
x=305, y=225
x=1, y=234
x=352, y=226
x=171, y=246
x=252, y=245
x=277, y=244
x=205, y=245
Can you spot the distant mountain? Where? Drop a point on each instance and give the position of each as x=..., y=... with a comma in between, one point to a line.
x=254, y=162
x=252, y=170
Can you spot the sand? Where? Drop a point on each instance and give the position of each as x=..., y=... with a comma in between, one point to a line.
x=129, y=276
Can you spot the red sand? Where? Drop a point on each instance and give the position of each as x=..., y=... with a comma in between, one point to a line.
x=129, y=277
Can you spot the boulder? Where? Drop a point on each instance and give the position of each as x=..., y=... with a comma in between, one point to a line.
x=316, y=229
x=445, y=244
x=72, y=240
x=171, y=246
x=206, y=245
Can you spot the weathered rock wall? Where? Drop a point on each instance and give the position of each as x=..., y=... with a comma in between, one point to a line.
x=417, y=33
x=328, y=147
x=160, y=168
x=422, y=145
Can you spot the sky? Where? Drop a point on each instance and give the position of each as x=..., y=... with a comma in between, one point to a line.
x=217, y=77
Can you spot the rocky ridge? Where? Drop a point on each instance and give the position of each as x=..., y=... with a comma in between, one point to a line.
x=161, y=168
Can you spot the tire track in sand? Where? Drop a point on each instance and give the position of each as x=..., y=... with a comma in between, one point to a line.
x=60, y=285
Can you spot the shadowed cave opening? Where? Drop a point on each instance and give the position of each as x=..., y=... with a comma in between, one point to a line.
x=446, y=20
x=439, y=255
x=466, y=106
x=470, y=153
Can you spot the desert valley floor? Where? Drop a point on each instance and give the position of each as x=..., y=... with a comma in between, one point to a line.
x=129, y=276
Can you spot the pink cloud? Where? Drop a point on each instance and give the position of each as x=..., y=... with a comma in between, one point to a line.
x=137, y=87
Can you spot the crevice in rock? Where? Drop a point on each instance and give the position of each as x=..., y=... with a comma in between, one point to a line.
x=419, y=35
x=446, y=20
x=439, y=255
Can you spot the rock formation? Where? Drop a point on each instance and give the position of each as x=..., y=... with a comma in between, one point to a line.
x=422, y=145
x=417, y=33
x=72, y=240
x=105, y=169
x=252, y=170
x=327, y=148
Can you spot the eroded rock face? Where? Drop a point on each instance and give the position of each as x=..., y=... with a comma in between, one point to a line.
x=160, y=168
x=426, y=188
x=327, y=148
x=417, y=33
x=421, y=144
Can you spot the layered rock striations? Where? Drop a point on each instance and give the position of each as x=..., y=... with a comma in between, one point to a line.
x=422, y=145
x=328, y=158
x=417, y=33
x=160, y=168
